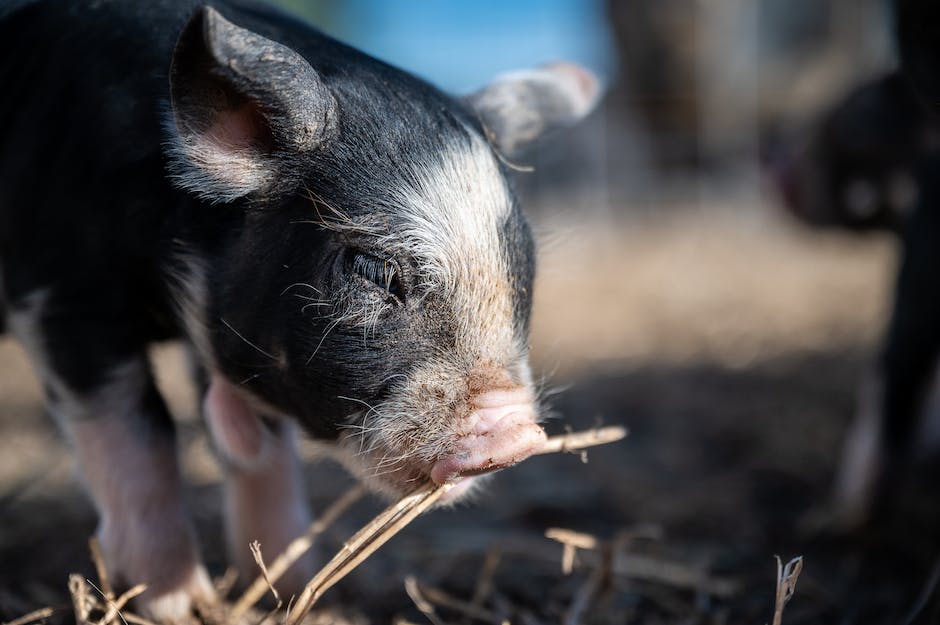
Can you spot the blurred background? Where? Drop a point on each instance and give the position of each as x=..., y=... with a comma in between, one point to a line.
x=678, y=294
x=663, y=232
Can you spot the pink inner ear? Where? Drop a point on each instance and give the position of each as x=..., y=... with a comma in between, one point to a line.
x=243, y=127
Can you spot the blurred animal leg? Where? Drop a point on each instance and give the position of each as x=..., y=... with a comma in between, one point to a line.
x=124, y=443
x=264, y=492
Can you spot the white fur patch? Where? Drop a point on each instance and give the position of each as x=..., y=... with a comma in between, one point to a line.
x=24, y=324
x=453, y=219
x=448, y=219
x=187, y=280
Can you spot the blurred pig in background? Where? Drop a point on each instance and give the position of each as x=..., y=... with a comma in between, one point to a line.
x=868, y=165
x=858, y=168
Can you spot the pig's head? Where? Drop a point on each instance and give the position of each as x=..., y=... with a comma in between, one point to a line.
x=374, y=274
x=857, y=169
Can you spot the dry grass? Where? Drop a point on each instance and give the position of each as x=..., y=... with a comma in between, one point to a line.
x=91, y=600
x=397, y=516
x=786, y=585
x=295, y=550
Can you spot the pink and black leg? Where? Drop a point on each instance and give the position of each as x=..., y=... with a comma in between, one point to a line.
x=264, y=493
x=99, y=387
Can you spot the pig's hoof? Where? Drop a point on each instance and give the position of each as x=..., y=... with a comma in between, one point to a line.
x=179, y=606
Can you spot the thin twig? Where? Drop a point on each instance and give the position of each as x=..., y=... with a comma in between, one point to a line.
x=78, y=589
x=425, y=606
x=484, y=584
x=642, y=567
x=571, y=541
x=394, y=518
x=786, y=585
x=441, y=598
x=388, y=523
x=255, y=548
x=95, y=548
x=114, y=606
x=35, y=615
x=570, y=537
x=136, y=619
x=579, y=440
x=294, y=551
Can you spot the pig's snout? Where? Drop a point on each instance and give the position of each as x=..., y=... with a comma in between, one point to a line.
x=500, y=431
x=444, y=428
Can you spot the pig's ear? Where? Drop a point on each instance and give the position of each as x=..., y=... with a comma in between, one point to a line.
x=519, y=107
x=245, y=110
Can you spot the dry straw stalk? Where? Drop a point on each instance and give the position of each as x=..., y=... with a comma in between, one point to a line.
x=394, y=518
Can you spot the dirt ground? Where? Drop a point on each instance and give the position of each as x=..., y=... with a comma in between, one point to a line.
x=730, y=344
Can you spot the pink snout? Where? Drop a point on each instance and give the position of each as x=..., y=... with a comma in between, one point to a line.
x=500, y=432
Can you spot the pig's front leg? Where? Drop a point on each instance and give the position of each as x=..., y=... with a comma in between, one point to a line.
x=105, y=401
x=130, y=468
x=263, y=487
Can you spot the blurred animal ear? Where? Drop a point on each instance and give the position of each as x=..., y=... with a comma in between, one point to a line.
x=245, y=108
x=519, y=107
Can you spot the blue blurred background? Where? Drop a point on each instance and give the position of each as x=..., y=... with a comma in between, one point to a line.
x=460, y=46
x=700, y=94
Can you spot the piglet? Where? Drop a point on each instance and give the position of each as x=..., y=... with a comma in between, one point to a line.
x=337, y=241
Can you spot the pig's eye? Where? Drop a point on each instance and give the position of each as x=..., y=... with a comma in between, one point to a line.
x=382, y=273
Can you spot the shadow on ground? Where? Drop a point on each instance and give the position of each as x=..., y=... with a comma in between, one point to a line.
x=722, y=469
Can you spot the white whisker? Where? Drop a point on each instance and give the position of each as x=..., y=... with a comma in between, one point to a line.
x=247, y=342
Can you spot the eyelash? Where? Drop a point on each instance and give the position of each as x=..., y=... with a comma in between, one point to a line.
x=382, y=273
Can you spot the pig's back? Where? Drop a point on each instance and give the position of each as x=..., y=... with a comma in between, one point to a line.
x=85, y=78
x=83, y=194
x=85, y=202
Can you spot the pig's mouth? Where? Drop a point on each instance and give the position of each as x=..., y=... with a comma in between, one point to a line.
x=496, y=430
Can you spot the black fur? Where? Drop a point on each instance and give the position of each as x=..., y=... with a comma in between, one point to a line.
x=913, y=343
